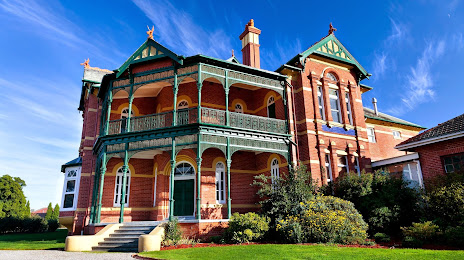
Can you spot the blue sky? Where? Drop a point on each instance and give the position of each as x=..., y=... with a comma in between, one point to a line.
x=414, y=49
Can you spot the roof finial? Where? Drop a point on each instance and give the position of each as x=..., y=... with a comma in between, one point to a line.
x=150, y=32
x=233, y=55
x=86, y=64
x=331, y=29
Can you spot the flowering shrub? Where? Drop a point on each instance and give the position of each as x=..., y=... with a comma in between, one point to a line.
x=244, y=228
x=324, y=219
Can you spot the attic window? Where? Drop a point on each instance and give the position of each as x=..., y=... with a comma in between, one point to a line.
x=331, y=76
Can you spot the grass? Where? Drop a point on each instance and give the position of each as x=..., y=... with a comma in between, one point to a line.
x=34, y=241
x=271, y=251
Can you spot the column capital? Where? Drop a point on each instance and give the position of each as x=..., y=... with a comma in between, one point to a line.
x=228, y=163
x=199, y=160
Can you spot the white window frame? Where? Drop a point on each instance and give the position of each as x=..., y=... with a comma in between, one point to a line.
x=356, y=166
x=220, y=183
x=124, y=116
x=371, y=134
x=188, y=177
x=328, y=167
x=331, y=76
x=320, y=97
x=332, y=110
x=118, y=189
x=348, y=108
x=238, y=108
x=275, y=168
x=346, y=165
x=183, y=104
x=396, y=134
x=77, y=179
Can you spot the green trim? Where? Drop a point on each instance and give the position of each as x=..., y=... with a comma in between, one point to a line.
x=148, y=43
x=286, y=66
x=365, y=86
x=395, y=122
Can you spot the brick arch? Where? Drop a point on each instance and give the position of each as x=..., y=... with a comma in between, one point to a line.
x=124, y=105
x=330, y=70
x=119, y=165
x=241, y=102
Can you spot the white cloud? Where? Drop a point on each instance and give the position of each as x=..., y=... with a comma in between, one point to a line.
x=380, y=65
x=419, y=85
x=176, y=29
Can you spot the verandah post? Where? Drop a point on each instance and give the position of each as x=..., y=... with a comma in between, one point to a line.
x=175, y=89
x=131, y=98
x=108, y=112
x=199, y=176
x=228, y=162
x=199, y=86
x=226, y=89
x=123, y=188
x=102, y=181
x=94, y=194
x=171, y=180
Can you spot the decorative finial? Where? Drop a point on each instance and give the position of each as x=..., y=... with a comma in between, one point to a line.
x=150, y=32
x=233, y=55
x=252, y=23
x=86, y=64
x=331, y=29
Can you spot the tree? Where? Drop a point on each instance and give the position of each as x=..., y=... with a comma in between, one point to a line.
x=49, y=213
x=12, y=199
x=56, y=212
x=28, y=209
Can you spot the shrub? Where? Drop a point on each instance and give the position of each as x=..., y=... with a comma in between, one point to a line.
x=325, y=219
x=381, y=238
x=422, y=231
x=411, y=242
x=386, y=202
x=53, y=225
x=34, y=224
x=244, y=228
x=172, y=232
x=446, y=204
x=454, y=236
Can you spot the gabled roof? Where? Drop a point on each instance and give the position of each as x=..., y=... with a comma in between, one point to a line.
x=149, y=50
x=330, y=47
x=370, y=113
x=75, y=162
x=450, y=129
x=233, y=59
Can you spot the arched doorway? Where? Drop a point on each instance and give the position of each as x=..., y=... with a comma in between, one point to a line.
x=184, y=189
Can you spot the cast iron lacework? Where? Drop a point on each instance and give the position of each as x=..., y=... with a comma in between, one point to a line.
x=115, y=147
x=184, y=169
x=331, y=76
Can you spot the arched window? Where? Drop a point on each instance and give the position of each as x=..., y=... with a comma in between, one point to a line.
x=331, y=76
x=118, y=187
x=124, y=116
x=238, y=108
x=220, y=183
x=183, y=104
x=274, y=170
x=271, y=107
x=184, y=170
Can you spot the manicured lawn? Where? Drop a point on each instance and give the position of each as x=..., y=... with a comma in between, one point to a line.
x=301, y=252
x=35, y=241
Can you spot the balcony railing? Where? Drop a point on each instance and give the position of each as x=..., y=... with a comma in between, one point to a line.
x=190, y=116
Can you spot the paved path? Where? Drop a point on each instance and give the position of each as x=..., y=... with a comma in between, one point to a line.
x=58, y=255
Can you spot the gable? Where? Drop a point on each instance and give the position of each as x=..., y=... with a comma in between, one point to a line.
x=150, y=50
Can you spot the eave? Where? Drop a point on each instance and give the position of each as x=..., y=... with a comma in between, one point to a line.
x=409, y=146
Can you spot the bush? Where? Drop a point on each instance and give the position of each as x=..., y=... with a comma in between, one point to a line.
x=325, y=219
x=53, y=225
x=172, y=232
x=426, y=231
x=244, y=228
x=382, y=238
x=454, y=236
x=446, y=204
x=386, y=202
x=33, y=224
x=412, y=242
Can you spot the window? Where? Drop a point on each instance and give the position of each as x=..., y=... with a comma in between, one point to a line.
x=328, y=167
x=274, y=170
x=70, y=189
x=412, y=173
x=453, y=163
x=271, y=107
x=335, y=105
x=356, y=166
x=124, y=116
x=238, y=108
x=348, y=107
x=371, y=134
x=183, y=113
x=184, y=169
x=220, y=183
x=182, y=105
x=118, y=188
x=331, y=76
x=320, y=98
x=397, y=134
x=343, y=165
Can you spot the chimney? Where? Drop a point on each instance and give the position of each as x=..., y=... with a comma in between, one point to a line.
x=374, y=102
x=250, y=45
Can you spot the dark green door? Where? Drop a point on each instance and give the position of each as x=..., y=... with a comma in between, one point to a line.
x=183, y=197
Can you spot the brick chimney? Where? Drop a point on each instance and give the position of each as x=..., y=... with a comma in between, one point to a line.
x=250, y=45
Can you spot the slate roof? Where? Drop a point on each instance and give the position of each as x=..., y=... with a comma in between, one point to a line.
x=452, y=126
x=369, y=113
x=75, y=162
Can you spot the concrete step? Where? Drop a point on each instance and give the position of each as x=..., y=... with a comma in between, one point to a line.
x=130, y=233
x=126, y=239
x=115, y=249
x=118, y=244
x=124, y=236
x=125, y=227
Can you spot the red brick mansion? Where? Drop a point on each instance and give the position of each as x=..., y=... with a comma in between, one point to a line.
x=166, y=135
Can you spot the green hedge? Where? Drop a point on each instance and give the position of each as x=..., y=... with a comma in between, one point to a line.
x=34, y=224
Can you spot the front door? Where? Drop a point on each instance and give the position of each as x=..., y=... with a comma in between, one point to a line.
x=183, y=197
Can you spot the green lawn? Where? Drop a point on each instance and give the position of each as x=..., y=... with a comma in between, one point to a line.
x=35, y=241
x=301, y=252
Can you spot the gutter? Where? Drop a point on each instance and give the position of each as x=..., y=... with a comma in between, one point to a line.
x=404, y=147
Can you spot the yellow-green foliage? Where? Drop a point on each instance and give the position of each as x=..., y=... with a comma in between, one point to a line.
x=425, y=231
x=244, y=228
x=325, y=219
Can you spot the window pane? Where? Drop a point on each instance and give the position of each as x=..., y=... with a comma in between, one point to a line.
x=449, y=168
x=70, y=185
x=336, y=116
x=68, y=201
x=333, y=104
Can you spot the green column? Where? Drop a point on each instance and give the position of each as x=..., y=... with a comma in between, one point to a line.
x=102, y=181
x=175, y=89
x=199, y=177
x=123, y=188
x=226, y=89
x=229, y=163
x=94, y=194
x=171, y=181
x=131, y=99
x=108, y=112
x=199, y=85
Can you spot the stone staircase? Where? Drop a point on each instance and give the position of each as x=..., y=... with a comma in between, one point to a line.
x=126, y=238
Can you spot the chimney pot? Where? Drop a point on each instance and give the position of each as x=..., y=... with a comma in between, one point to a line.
x=250, y=45
x=374, y=102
